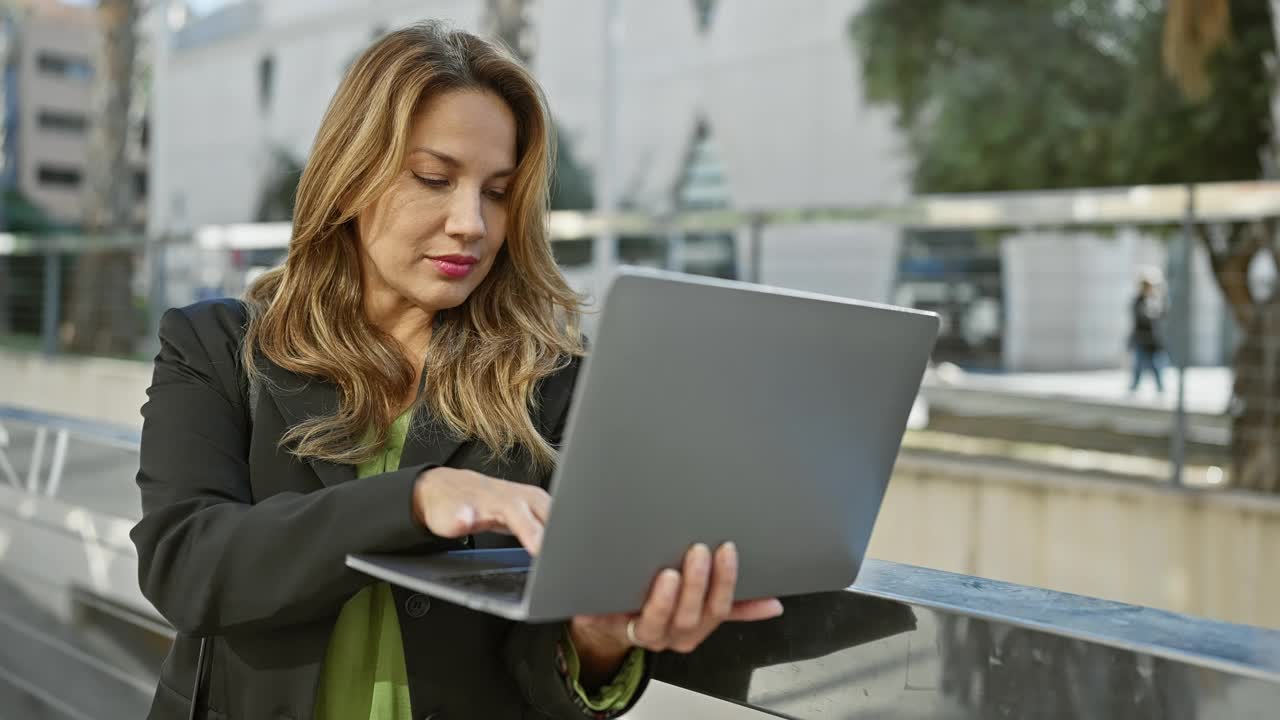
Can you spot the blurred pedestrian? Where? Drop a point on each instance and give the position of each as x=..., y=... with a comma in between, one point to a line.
x=1148, y=310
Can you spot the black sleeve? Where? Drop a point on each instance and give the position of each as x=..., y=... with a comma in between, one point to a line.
x=531, y=648
x=209, y=558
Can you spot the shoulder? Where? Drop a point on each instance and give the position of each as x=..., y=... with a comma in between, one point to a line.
x=213, y=324
x=212, y=318
x=206, y=337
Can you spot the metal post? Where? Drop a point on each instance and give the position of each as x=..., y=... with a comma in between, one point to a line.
x=37, y=459
x=605, y=250
x=675, y=260
x=6, y=467
x=56, y=464
x=52, y=301
x=1182, y=337
x=158, y=294
x=755, y=243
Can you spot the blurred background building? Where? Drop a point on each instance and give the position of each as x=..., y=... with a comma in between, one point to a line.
x=49, y=74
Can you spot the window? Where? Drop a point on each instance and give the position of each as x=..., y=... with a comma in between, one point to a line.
x=58, y=176
x=266, y=81
x=72, y=67
x=62, y=121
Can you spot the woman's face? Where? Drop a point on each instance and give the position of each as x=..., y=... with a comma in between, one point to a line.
x=432, y=237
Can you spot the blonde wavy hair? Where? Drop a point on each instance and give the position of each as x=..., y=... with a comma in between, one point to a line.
x=487, y=356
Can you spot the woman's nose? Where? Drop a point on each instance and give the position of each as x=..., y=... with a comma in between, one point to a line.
x=465, y=219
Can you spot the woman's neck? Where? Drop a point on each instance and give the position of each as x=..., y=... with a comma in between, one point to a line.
x=407, y=323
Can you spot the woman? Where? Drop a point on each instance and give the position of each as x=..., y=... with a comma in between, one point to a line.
x=399, y=385
x=1147, y=310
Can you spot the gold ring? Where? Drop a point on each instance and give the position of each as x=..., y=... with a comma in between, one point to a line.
x=631, y=633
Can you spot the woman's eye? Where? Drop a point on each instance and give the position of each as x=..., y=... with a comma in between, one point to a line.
x=433, y=182
x=496, y=194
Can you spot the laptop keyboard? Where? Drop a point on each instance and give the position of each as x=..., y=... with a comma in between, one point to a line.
x=500, y=583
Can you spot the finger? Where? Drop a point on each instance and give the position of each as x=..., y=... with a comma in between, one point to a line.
x=717, y=600
x=540, y=503
x=753, y=610
x=655, y=617
x=465, y=518
x=693, y=592
x=522, y=523
x=460, y=521
x=724, y=582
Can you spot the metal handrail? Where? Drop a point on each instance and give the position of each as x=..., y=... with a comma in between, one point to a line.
x=62, y=427
x=1139, y=204
x=1242, y=650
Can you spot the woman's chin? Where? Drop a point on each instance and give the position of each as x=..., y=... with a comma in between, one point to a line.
x=445, y=298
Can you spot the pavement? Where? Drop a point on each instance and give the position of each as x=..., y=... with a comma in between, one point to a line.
x=1208, y=389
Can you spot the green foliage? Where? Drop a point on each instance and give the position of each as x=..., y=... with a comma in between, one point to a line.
x=276, y=199
x=1042, y=94
x=21, y=215
x=570, y=181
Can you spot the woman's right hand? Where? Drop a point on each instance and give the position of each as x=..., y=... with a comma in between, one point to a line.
x=453, y=503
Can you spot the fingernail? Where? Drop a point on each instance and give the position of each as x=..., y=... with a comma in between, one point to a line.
x=777, y=604
x=729, y=547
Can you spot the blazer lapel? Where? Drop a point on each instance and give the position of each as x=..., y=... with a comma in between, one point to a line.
x=300, y=399
x=429, y=442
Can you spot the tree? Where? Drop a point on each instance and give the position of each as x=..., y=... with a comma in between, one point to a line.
x=103, y=318
x=1194, y=32
x=1047, y=94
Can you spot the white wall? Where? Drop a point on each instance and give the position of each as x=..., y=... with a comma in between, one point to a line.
x=778, y=88
x=1067, y=298
x=846, y=259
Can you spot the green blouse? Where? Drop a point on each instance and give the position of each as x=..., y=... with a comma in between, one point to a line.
x=364, y=672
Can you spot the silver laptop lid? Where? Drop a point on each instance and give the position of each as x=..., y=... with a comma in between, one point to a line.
x=711, y=410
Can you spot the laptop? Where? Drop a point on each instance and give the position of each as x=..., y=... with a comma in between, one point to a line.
x=706, y=410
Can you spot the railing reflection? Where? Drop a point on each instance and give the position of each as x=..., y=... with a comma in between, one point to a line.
x=908, y=642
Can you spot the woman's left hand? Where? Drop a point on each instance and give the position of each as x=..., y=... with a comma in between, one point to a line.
x=682, y=609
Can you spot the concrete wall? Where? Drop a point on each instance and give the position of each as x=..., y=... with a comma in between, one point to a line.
x=1204, y=553
x=97, y=388
x=856, y=260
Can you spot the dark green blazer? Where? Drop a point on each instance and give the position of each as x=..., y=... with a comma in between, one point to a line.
x=245, y=543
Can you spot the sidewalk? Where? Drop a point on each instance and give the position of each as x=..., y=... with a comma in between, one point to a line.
x=1208, y=388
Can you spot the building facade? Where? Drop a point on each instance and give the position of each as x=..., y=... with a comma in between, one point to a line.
x=49, y=86
x=745, y=104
